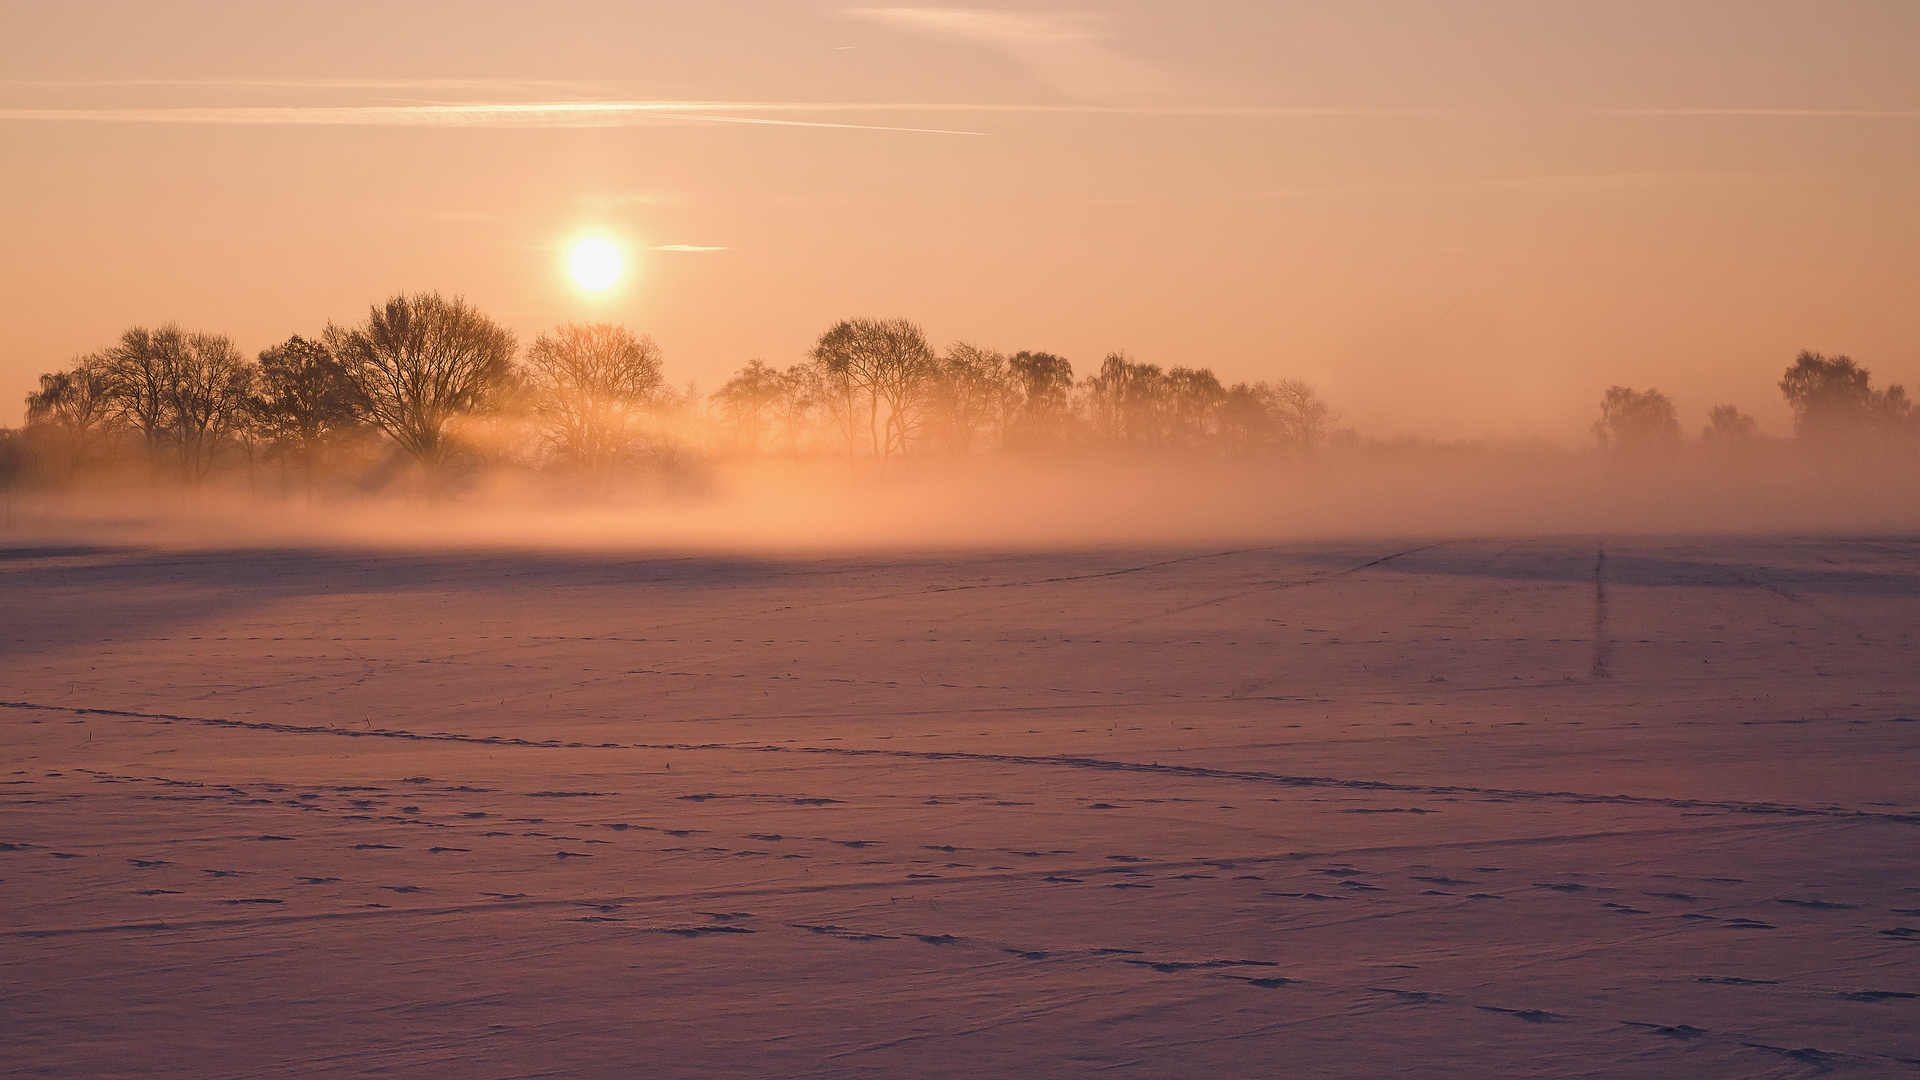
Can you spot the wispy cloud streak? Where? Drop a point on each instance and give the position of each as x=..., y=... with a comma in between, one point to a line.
x=613, y=113
x=548, y=85
x=1813, y=113
x=1067, y=49
x=532, y=115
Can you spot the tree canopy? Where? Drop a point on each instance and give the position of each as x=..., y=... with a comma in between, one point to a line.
x=419, y=364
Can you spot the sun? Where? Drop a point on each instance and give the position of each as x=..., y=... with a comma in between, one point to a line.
x=595, y=264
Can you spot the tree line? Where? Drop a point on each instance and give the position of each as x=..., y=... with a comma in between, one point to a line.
x=1833, y=400
x=433, y=381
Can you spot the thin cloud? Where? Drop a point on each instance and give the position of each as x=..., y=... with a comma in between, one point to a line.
x=1863, y=113
x=683, y=247
x=547, y=85
x=613, y=113
x=564, y=114
x=1067, y=50
x=622, y=200
x=998, y=27
x=1570, y=184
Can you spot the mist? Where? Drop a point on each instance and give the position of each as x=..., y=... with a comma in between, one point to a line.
x=827, y=507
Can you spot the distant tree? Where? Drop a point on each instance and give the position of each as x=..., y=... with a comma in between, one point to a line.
x=1728, y=427
x=14, y=459
x=1833, y=397
x=971, y=391
x=1636, y=421
x=1304, y=421
x=188, y=392
x=137, y=374
x=1043, y=395
x=1246, y=418
x=888, y=364
x=802, y=390
x=71, y=417
x=749, y=400
x=595, y=388
x=422, y=363
x=209, y=399
x=1126, y=400
x=303, y=400
x=1287, y=415
x=1193, y=395
x=841, y=402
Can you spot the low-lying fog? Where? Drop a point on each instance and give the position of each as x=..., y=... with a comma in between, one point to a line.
x=831, y=505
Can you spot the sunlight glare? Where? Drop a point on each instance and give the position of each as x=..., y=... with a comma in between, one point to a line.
x=595, y=264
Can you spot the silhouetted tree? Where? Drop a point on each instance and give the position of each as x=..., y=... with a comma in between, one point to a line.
x=137, y=373
x=748, y=400
x=421, y=363
x=802, y=390
x=303, y=400
x=1044, y=388
x=885, y=362
x=1729, y=427
x=1246, y=418
x=14, y=458
x=1833, y=397
x=1283, y=416
x=71, y=417
x=972, y=389
x=1304, y=420
x=1124, y=401
x=1192, y=397
x=209, y=398
x=1636, y=421
x=186, y=391
x=594, y=389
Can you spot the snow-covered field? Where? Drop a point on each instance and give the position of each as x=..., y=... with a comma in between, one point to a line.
x=1501, y=807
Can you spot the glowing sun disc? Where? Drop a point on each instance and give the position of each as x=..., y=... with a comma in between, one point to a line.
x=595, y=264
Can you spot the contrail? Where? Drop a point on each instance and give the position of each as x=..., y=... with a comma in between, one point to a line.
x=613, y=113
x=532, y=115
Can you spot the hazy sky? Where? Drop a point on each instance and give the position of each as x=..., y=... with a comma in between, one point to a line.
x=1453, y=217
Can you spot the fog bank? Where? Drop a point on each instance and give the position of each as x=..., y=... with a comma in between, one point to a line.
x=829, y=506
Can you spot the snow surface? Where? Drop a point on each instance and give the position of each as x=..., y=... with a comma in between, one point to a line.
x=1470, y=808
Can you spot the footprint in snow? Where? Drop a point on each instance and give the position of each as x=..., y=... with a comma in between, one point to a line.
x=1672, y=1031
x=1531, y=1016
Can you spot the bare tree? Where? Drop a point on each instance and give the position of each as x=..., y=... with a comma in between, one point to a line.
x=209, y=397
x=420, y=364
x=71, y=416
x=138, y=376
x=1267, y=417
x=1303, y=420
x=1125, y=401
x=186, y=391
x=748, y=399
x=1636, y=421
x=595, y=389
x=802, y=390
x=971, y=389
x=304, y=400
x=841, y=397
x=886, y=362
x=1044, y=391
x=1729, y=427
x=1192, y=397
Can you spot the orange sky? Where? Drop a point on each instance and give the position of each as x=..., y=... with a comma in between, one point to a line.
x=1454, y=218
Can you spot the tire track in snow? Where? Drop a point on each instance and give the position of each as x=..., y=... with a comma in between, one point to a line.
x=1044, y=761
